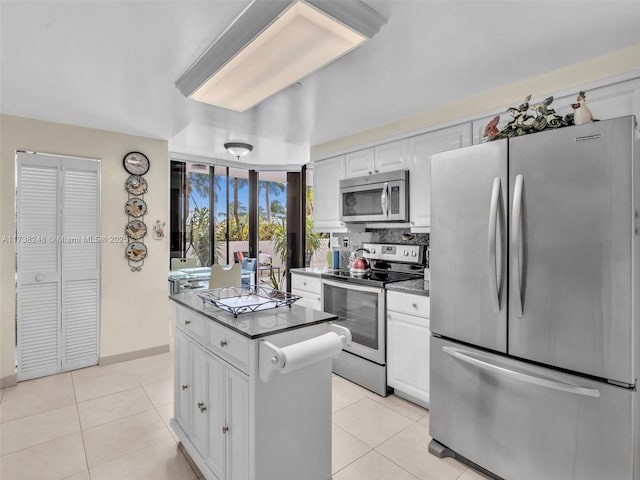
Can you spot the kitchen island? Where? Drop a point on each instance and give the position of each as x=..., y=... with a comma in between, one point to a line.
x=253, y=391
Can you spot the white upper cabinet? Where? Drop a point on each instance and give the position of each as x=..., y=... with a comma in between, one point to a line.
x=360, y=163
x=326, y=186
x=391, y=156
x=420, y=150
x=381, y=158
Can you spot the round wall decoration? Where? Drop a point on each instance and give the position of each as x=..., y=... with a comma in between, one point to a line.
x=136, y=185
x=135, y=229
x=135, y=207
x=135, y=251
x=136, y=163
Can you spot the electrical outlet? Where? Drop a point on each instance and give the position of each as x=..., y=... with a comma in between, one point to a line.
x=345, y=242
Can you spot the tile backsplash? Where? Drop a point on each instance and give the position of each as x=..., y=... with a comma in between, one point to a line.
x=387, y=235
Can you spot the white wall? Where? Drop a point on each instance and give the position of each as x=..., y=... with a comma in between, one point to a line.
x=134, y=304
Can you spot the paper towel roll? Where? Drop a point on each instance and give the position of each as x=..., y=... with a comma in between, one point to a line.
x=310, y=351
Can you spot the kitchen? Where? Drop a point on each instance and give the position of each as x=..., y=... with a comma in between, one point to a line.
x=43, y=95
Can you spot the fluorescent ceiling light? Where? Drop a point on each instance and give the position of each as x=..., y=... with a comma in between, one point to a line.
x=272, y=45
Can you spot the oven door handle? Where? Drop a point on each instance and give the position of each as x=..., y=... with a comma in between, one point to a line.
x=352, y=286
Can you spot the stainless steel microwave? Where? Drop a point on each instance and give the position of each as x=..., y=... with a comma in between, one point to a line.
x=383, y=197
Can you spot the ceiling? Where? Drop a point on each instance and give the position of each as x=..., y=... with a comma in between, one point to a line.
x=112, y=65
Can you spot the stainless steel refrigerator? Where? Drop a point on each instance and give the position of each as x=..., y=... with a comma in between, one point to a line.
x=535, y=299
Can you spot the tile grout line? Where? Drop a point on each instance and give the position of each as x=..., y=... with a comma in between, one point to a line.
x=178, y=443
x=84, y=448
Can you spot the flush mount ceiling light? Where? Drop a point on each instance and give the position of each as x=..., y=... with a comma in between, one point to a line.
x=272, y=45
x=238, y=149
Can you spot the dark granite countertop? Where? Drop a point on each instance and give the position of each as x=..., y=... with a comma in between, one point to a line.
x=415, y=287
x=256, y=324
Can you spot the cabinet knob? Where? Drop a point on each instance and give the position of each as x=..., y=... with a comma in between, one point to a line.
x=223, y=343
x=225, y=429
x=201, y=407
x=414, y=305
x=187, y=322
x=377, y=171
x=370, y=172
x=184, y=387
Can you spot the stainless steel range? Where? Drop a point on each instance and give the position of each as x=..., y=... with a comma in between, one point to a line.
x=359, y=302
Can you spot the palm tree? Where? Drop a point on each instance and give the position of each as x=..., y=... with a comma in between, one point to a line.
x=237, y=184
x=277, y=208
x=271, y=187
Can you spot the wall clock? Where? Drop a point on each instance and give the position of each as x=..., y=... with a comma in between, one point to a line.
x=136, y=163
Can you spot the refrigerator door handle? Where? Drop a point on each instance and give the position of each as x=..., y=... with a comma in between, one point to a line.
x=523, y=377
x=495, y=221
x=516, y=241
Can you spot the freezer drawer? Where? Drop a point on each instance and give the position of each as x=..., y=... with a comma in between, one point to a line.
x=525, y=422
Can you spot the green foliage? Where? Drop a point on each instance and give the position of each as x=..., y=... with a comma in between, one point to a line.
x=198, y=231
x=279, y=240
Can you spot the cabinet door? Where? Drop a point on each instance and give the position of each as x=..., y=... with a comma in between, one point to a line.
x=326, y=180
x=420, y=150
x=216, y=422
x=198, y=419
x=360, y=163
x=237, y=423
x=408, y=354
x=182, y=382
x=391, y=156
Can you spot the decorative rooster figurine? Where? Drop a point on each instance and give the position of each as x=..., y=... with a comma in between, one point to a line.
x=582, y=113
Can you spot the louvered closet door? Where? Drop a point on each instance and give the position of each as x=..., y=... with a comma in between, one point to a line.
x=57, y=263
x=80, y=249
x=38, y=289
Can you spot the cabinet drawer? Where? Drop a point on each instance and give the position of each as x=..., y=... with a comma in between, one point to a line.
x=193, y=325
x=231, y=346
x=308, y=284
x=409, y=304
x=311, y=300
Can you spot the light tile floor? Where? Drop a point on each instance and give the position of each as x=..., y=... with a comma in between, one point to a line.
x=112, y=422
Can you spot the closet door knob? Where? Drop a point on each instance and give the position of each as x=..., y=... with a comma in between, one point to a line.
x=225, y=429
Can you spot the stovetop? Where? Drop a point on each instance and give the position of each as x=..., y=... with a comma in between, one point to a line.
x=389, y=263
x=374, y=278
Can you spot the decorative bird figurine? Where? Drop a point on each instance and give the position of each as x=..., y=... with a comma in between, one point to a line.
x=491, y=129
x=582, y=113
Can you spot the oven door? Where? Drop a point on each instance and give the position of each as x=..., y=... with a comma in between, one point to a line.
x=362, y=310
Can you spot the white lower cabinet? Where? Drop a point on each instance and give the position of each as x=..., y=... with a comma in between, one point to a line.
x=212, y=409
x=408, y=332
x=309, y=288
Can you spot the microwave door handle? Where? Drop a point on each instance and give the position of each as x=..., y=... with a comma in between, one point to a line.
x=384, y=199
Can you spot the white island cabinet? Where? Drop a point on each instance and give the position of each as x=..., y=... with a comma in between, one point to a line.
x=408, y=334
x=249, y=405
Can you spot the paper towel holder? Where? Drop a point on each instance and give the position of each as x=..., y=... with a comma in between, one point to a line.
x=271, y=357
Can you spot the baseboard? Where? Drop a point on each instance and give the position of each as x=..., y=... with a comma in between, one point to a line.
x=8, y=381
x=125, y=357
